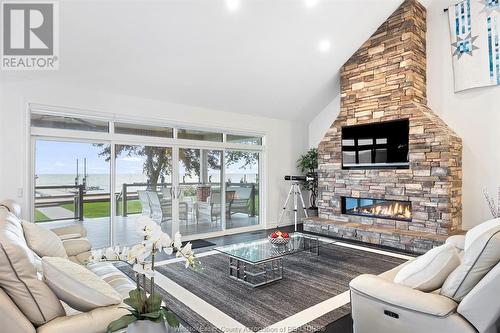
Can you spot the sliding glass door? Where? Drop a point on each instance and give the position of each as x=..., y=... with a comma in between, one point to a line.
x=143, y=187
x=199, y=192
x=105, y=174
x=72, y=186
x=242, y=188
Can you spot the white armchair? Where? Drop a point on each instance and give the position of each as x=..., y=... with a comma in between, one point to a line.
x=379, y=305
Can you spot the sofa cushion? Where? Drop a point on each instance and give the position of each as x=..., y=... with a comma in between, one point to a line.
x=75, y=246
x=18, y=274
x=479, y=258
x=114, y=277
x=429, y=271
x=77, y=286
x=12, y=206
x=43, y=241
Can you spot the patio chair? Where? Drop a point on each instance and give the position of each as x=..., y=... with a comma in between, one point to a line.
x=167, y=193
x=162, y=207
x=211, y=209
x=145, y=206
x=160, y=212
x=183, y=205
x=244, y=199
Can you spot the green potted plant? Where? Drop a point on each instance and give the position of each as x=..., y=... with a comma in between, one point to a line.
x=308, y=163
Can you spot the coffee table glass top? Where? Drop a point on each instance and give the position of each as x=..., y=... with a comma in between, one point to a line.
x=262, y=250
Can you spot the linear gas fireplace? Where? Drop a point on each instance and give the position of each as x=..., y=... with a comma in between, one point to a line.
x=377, y=208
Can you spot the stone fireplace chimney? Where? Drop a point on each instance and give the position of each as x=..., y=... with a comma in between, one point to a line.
x=383, y=82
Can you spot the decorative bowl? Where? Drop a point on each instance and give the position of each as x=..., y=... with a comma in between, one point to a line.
x=278, y=240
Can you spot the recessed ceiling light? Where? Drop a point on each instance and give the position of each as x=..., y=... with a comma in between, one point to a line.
x=233, y=5
x=310, y=3
x=324, y=45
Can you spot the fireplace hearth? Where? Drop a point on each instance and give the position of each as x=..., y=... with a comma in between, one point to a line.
x=377, y=208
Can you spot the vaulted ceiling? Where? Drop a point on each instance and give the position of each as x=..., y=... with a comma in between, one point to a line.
x=275, y=58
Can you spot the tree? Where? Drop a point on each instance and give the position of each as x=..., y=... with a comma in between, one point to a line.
x=233, y=157
x=158, y=160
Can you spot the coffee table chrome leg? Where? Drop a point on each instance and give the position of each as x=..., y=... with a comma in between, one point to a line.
x=244, y=272
x=311, y=244
x=247, y=273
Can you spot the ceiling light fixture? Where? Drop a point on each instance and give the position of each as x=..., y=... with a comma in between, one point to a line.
x=310, y=3
x=233, y=5
x=324, y=45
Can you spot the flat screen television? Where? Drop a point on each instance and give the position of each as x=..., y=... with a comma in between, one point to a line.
x=378, y=145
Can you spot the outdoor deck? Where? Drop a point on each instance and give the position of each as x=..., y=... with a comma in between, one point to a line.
x=126, y=232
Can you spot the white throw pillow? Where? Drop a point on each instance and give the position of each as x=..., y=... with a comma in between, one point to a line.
x=43, y=241
x=74, y=284
x=429, y=271
x=479, y=258
x=18, y=274
x=478, y=230
x=458, y=241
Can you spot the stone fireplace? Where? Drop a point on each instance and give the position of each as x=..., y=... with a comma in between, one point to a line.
x=394, y=186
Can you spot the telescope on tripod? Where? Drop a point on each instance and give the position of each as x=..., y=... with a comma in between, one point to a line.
x=297, y=195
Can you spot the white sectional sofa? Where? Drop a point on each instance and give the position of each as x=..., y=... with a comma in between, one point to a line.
x=27, y=303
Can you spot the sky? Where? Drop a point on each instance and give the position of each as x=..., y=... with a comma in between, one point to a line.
x=56, y=157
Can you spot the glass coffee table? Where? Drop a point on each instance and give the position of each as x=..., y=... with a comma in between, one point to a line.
x=257, y=263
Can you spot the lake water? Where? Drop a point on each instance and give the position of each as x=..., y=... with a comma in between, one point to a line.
x=100, y=183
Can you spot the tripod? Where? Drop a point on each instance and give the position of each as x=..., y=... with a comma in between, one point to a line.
x=295, y=190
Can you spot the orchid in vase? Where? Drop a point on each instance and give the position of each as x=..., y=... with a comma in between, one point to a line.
x=146, y=304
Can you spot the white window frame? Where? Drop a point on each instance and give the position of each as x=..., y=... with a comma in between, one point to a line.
x=39, y=133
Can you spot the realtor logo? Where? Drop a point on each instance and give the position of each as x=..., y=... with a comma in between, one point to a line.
x=30, y=36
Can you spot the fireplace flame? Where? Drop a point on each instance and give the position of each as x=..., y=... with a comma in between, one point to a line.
x=394, y=210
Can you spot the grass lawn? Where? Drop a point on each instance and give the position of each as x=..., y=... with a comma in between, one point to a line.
x=102, y=209
x=39, y=216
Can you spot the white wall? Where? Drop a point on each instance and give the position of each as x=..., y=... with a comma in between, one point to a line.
x=322, y=122
x=473, y=114
x=285, y=139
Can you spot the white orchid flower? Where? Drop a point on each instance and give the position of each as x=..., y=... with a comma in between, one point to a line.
x=187, y=250
x=168, y=250
x=95, y=256
x=155, y=234
x=144, y=269
x=141, y=257
x=109, y=253
x=137, y=248
x=124, y=253
x=145, y=221
x=135, y=252
x=178, y=240
x=148, y=230
x=187, y=253
x=165, y=240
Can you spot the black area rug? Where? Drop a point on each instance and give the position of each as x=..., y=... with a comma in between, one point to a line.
x=199, y=243
x=308, y=280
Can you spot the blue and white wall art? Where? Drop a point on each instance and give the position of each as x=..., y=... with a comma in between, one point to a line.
x=475, y=34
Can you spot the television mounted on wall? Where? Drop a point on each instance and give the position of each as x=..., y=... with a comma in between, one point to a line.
x=376, y=145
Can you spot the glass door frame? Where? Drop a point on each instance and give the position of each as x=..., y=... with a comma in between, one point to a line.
x=176, y=161
x=113, y=139
x=112, y=205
